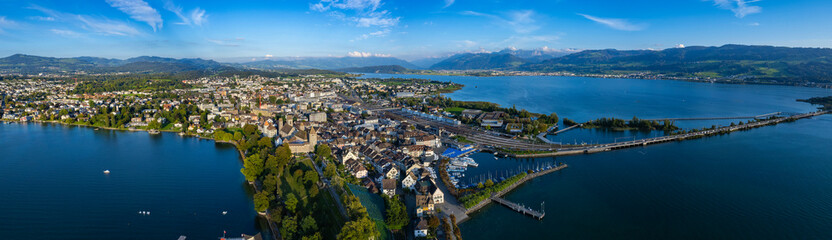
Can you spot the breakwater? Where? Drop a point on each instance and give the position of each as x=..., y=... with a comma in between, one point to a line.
x=528, y=177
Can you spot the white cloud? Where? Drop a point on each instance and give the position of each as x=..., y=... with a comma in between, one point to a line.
x=680, y=45
x=615, y=23
x=363, y=13
x=741, y=8
x=41, y=18
x=194, y=17
x=140, y=11
x=92, y=24
x=5, y=23
x=108, y=27
x=377, y=19
x=520, y=21
x=448, y=3
x=466, y=44
x=379, y=33
x=198, y=16
x=65, y=33
x=366, y=54
x=235, y=42
x=269, y=55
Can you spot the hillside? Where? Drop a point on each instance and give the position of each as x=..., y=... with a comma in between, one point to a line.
x=376, y=69
x=327, y=63
x=479, y=61
x=28, y=64
x=762, y=63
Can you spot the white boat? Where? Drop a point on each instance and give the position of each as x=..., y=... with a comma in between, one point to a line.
x=224, y=212
x=107, y=171
x=469, y=161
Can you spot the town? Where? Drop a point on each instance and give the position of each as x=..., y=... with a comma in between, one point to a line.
x=322, y=154
x=334, y=156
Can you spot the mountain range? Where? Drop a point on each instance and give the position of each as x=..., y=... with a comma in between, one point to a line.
x=328, y=63
x=761, y=63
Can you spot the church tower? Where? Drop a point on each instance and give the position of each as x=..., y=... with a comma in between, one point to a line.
x=312, y=136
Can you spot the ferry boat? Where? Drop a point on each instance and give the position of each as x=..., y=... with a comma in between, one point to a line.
x=469, y=161
x=459, y=163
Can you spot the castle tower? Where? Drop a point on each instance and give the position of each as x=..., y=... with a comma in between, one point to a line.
x=312, y=136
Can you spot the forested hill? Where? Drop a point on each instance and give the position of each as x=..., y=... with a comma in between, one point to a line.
x=376, y=69
x=28, y=64
x=480, y=61
x=326, y=63
x=766, y=63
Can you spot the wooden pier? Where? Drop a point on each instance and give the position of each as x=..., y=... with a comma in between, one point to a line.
x=519, y=208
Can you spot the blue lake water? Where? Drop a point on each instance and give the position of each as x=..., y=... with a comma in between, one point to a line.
x=54, y=186
x=768, y=183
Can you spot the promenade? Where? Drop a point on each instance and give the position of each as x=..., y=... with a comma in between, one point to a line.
x=514, y=206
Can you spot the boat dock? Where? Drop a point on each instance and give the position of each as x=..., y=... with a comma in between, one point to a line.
x=519, y=208
x=516, y=207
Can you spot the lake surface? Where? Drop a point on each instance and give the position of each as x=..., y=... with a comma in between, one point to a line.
x=583, y=99
x=773, y=182
x=54, y=186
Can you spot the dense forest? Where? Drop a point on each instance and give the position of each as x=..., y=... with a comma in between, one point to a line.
x=635, y=123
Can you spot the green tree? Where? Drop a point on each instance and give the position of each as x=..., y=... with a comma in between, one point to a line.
x=316, y=236
x=289, y=227
x=311, y=177
x=249, y=130
x=308, y=224
x=330, y=170
x=265, y=143
x=252, y=167
x=323, y=152
x=261, y=201
x=291, y=202
x=489, y=183
x=396, y=213
x=359, y=229
x=284, y=155
x=433, y=222
x=237, y=136
x=270, y=184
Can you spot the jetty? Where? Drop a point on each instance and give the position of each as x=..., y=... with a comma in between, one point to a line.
x=496, y=197
x=519, y=208
x=716, y=118
x=669, y=138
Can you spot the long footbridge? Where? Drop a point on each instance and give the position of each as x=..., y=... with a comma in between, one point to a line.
x=677, y=137
x=497, y=140
x=520, y=208
x=716, y=118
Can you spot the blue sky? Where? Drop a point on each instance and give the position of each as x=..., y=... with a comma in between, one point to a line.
x=407, y=29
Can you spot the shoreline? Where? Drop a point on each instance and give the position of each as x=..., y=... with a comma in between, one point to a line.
x=543, y=74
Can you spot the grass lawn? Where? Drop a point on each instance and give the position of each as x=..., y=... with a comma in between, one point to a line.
x=375, y=208
x=330, y=214
x=454, y=110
